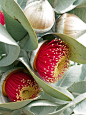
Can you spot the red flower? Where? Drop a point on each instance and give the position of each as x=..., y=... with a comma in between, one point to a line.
x=2, y=19
x=52, y=60
x=20, y=86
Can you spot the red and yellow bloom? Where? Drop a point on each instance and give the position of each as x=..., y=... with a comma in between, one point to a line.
x=19, y=85
x=52, y=60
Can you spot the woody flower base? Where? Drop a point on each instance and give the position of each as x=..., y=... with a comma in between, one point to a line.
x=18, y=85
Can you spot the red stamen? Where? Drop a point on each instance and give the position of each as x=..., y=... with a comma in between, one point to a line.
x=2, y=19
x=21, y=86
x=52, y=60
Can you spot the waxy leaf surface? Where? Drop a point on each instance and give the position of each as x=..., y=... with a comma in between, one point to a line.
x=10, y=48
x=14, y=10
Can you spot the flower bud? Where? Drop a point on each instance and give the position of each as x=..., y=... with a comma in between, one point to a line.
x=70, y=25
x=41, y=15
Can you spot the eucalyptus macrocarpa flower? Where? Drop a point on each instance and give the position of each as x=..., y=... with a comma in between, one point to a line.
x=2, y=19
x=19, y=85
x=51, y=59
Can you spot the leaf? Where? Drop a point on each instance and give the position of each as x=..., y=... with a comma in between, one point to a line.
x=80, y=12
x=14, y=28
x=51, y=2
x=26, y=112
x=44, y=95
x=77, y=50
x=62, y=6
x=2, y=49
x=13, y=105
x=78, y=88
x=81, y=39
x=41, y=107
x=6, y=68
x=68, y=111
x=11, y=48
x=22, y=3
x=60, y=112
x=17, y=112
x=24, y=41
x=72, y=103
x=41, y=102
x=5, y=111
x=71, y=76
x=17, y=13
x=57, y=92
x=23, y=53
x=80, y=108
x=83, y=73
x=42, y=110
x=82, y=3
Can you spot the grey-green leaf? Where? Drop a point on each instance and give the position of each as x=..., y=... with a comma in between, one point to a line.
x=42, y=110
x=41, y=102
x=78, y=88
x=72, y=103
x=44, y=95
x=68, y=111
x=71, y=76
x=16, y=12
x=5, y=111
x=41, y=107
x=26, y=112
x=13, y=105
x=80, y=108
x=22, y=3
x=82, y=3
x=62, y=6
x=11, y=49
x=83, y=73
x=14, y=28
x=17, y=112
x=80, y=12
